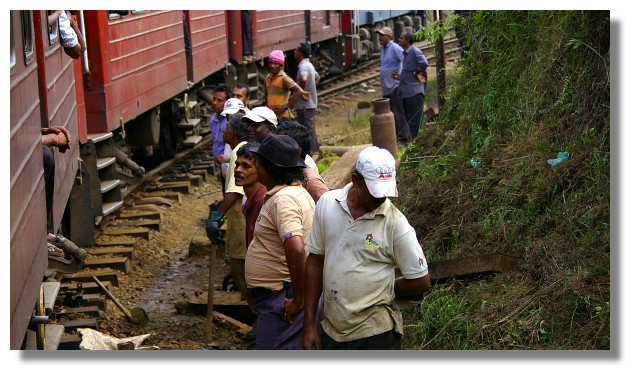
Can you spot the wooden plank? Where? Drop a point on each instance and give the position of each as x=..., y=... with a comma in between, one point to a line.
x=70, y=341
x=183, y=187
x=93, y=311
x=174, y=195
x=472, y=266
x=122, y=251
x=228, y=303
x=154, y=200
x=138, y=214
x=201, y=172
x=87, y=276
x=72, y=325
x=238, y=326
x=116, y=263
x=130, y=232
x=194, y=179
x=98, y=300
x=150, y=224
x=115, y=241
x=87, y=287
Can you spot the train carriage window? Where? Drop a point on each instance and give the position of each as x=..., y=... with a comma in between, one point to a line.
x=54, y=29
x=28, y=38
x=327, y=17
x=138, y=11
x=116, y=14
x=13, y=58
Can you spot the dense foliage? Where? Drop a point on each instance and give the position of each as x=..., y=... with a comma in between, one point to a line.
x=532, y=84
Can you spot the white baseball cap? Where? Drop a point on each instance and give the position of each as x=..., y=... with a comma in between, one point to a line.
x=233, y=105
x=377, y=166
x=260, y=114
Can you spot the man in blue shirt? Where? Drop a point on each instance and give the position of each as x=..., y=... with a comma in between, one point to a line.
x=391, y=56
x=218, y=122
x=411, y=82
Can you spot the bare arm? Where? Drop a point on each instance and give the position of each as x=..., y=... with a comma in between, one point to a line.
x=312, y=291
x=228, y=202
x=295, y=256
x=53, y=17
x=76, y=51
x=410, y=287
x=297, y=94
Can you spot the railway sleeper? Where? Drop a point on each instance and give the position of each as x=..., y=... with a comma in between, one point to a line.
x=150, y=224
x=92, y=311
x=139, y=232
x=87, y=276
x=72, y=325
x=118, y=263
x=87, y=287
x=174, y=196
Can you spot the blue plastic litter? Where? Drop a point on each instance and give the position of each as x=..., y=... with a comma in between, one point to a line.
x=562, y=156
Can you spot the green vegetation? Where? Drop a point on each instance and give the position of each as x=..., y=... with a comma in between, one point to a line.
x=532, y=84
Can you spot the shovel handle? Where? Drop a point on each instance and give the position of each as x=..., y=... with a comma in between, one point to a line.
x=112, y=298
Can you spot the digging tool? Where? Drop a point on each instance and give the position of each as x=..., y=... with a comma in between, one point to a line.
x=210, y=192
x=138, y=315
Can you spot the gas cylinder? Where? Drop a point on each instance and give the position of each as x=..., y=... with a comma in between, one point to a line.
x=382, y=126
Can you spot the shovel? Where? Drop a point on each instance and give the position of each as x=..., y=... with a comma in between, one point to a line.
x=136, y=315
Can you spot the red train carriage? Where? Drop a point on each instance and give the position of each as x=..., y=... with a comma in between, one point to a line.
x=43, y=93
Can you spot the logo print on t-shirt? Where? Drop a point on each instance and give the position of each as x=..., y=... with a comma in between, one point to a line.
x=421, y=262
x=370, y=241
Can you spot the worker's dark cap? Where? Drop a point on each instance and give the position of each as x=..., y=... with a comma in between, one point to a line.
x=281, y=150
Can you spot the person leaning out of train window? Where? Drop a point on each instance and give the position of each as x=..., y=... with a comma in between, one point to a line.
x=72, y=39
x=56, y=136
x=279, y=86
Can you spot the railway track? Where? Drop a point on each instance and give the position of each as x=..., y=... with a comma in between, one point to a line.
x=75, y=301
x=366, y=77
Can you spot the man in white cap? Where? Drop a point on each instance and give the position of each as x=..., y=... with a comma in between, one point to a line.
x=357, y=240
x=261, y=121
x=231, y=107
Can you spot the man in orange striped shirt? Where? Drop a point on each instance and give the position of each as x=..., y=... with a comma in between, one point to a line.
x=274, y=266
x=279, y=86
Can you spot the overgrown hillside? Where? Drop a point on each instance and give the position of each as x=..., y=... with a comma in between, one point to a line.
x=533, y=84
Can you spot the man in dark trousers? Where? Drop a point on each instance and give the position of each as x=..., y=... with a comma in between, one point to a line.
x=391, y=56
x=308, y=79
x=357, y=240
x=411, y=82
x=274, y=267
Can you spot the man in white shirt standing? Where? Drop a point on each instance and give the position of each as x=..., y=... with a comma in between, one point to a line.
x=357, y=240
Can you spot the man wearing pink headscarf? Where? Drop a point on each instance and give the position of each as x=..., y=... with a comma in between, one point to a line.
x=278, y=86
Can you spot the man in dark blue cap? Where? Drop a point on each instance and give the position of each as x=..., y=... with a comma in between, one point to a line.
x=274, y=266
